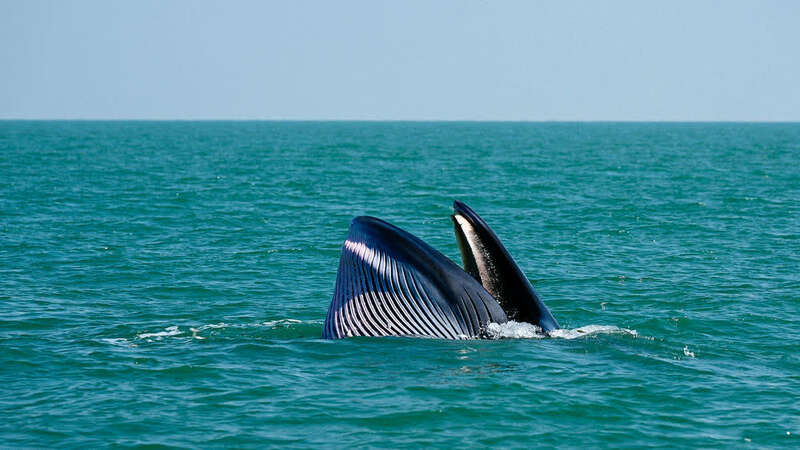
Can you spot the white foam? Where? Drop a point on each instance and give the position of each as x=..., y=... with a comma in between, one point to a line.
x=212, y=326
x=514, y=330
x=688, y=353
x=118, y=342
x=591, y=330
x=169, y=331
x=195, y=331
x=281, y=323
x=523, y=330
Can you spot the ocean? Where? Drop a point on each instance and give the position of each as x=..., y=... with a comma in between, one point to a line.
x=164, y=284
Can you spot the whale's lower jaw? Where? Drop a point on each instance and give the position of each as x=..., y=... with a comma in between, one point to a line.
x=391, y=283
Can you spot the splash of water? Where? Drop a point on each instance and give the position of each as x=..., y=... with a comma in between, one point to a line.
x=523, y=330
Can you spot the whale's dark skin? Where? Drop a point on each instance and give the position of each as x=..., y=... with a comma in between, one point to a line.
x=391, y=283
x=488, y=261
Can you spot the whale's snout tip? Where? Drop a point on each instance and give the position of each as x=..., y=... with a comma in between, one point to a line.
x=462, y=210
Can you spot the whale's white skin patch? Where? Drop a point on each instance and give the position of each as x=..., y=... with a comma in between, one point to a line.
x=483, y=267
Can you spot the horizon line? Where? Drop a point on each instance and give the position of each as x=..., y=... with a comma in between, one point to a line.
x=22, y=119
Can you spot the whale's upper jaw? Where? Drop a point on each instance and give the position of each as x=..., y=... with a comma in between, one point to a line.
x=488, y=261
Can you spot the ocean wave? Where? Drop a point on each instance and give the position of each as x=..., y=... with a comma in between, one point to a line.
x=169, y=331
x=508, y=330
x=523, y=330
x=118, y=342
x=183, y=332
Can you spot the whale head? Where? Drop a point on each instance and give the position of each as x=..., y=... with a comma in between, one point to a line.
x=391, y=283
x=488, y=261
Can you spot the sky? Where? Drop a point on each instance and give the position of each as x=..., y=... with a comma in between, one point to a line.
x=401, y=60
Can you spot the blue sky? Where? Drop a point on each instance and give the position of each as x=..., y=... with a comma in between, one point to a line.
x=419, y=60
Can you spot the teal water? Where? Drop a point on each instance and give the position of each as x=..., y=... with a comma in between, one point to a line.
x=165, y=283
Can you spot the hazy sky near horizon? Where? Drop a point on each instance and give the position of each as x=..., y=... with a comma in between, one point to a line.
x=420, y=60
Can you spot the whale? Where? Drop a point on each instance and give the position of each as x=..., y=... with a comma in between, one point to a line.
x=392, y=283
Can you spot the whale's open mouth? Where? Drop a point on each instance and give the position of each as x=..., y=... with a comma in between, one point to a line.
x=391, y=283
x=476, y=257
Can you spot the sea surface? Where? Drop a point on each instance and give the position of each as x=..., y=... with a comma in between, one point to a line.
x=165, y=284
